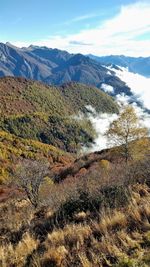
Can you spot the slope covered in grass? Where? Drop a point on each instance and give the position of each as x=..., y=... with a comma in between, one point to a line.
x=97, y=218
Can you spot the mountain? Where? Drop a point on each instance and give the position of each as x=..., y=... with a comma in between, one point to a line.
x=56, y=67
x=91, y=210
x=140, y=65
x=49, y=114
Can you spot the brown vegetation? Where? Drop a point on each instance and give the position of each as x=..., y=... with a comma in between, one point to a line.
x=96, y=217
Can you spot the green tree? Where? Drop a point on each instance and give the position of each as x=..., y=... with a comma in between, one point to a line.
x=128, y=133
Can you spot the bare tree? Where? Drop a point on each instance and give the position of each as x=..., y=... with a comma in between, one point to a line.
x=30, y=175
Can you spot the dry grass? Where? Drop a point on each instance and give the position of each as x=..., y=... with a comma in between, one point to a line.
x=117, y=220
x=112, y=237
x=15, y=213
x=16, y=255
x=55, y=256
x=107, y=241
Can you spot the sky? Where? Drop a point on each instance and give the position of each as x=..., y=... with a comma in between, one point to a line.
x=98, y=27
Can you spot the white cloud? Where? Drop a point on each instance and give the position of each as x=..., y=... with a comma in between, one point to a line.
x=118, y=35
x=140, y=85
x=123, y=99
x=81, y=18
x=101, y=124
x=102, y=121
x=144, y=117
x=107, y=88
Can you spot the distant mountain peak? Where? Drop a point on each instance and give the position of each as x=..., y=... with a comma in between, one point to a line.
x=11, y=45
x=32, y=47
x=140, y=65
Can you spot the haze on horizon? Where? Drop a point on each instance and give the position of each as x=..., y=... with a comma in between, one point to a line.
x=93, y=27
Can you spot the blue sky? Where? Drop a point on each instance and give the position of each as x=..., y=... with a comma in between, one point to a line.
x=98, y=26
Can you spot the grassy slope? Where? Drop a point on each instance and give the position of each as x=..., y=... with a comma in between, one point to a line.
x=88, y=222
x=35, y=111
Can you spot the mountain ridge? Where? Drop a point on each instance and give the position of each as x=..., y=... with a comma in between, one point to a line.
x=55, y=67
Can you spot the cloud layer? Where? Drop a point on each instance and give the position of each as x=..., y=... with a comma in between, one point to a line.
x=102, y=121
x=140, y=85
x=126, y=33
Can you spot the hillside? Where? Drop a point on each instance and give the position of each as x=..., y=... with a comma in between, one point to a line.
x=97, y=216
x=14, y=150
x=93, y=211
x=32, y=110
x=79, y=96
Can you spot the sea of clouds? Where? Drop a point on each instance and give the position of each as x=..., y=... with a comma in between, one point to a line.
x=140, y=87
x=102, y=121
